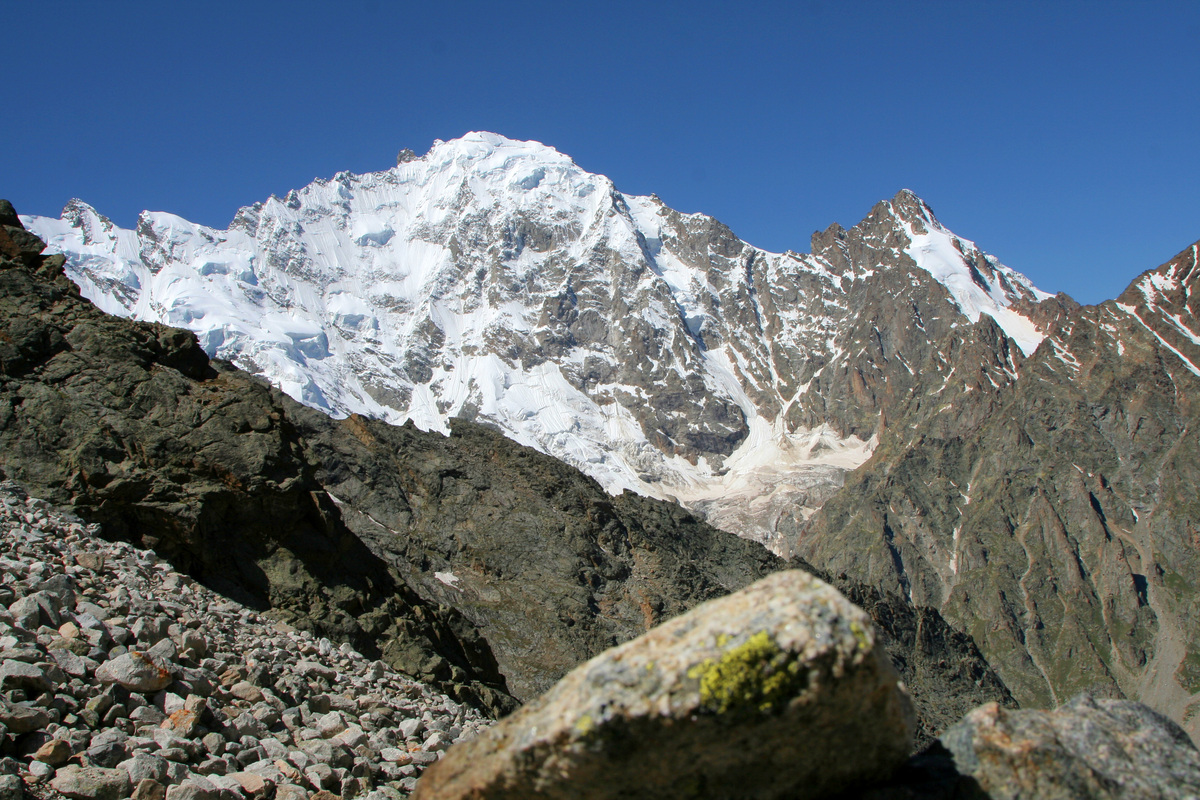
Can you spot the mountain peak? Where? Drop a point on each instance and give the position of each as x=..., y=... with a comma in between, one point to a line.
x=482, y=145
x=907, y=207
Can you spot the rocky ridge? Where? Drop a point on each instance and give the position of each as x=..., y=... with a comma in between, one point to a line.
x=1052, y=516
x=122, y=676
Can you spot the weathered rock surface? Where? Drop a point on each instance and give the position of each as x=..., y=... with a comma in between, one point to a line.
x=776, y=691
x=1088, y=749
x=1098, y=748
x=92, y=783
x=137, y=672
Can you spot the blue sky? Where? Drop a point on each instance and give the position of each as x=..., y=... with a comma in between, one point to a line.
x=1059, y=136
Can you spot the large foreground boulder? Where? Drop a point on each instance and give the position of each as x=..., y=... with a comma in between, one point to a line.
x=776, y=691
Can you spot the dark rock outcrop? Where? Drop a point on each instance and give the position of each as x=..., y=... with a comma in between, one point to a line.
x=550, y=568
x=133, y=427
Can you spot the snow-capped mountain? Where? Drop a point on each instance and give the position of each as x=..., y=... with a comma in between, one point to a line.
x=497, y=280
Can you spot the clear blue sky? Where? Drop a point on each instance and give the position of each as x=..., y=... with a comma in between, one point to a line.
x=1064, y=137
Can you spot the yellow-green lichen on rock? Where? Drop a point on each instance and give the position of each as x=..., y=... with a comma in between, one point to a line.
x=755, y=675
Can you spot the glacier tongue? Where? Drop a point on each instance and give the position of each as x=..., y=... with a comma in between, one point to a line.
x=495, y=279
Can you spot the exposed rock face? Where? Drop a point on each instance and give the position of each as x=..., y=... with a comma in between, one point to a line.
x=776, y=691
x=1051, y=514
x=942, y=668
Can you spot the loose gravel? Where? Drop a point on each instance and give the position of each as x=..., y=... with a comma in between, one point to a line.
x=120, y=677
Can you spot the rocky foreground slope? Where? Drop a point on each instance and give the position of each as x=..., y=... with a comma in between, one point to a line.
x=122, y=676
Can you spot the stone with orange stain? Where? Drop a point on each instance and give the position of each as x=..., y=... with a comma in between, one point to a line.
x=136, y=671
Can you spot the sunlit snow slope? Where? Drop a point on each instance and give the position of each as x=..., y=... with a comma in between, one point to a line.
x=495, y=279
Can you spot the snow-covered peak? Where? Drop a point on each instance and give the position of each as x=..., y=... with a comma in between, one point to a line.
x=480, y=146
x=977, y=282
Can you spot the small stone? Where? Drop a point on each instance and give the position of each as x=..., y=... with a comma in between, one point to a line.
x=274, y=748
x=68, y=630
x=319, y=750
x=352, y=737
x=330, y=724
x=163, y=650
x=287, y=772
x=145, y=765
x=315, y=669
x=55, y=752
x=246, y=691
x=106, y=754
x=148, y=631
x=214, y=743
x=395, y=755
x=147, y=715
x=13, y=788
x=92, y=783
x=92, y=561
x=183, y=723
x=41, y=770
x=193, y=646
x=252, y=784
x=27, y=677
x=246, y=724
x=74, y=664
x=290, y=791
x=194, y=788
x=22, y=719
x=231, y=676
x=149, y=789
x=320, y=775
